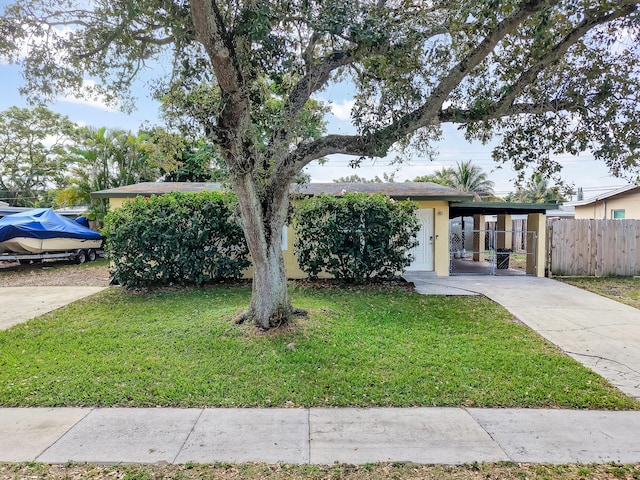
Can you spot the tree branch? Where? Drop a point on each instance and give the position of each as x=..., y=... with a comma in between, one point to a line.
x=378, y=143
x=463, y=116
x=104, y=44
x=234, y=120
x=215, y=38
x=429, y=110
x=571, y=38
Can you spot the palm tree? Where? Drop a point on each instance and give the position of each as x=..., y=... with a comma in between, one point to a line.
x=536, y=191
x=465, y=177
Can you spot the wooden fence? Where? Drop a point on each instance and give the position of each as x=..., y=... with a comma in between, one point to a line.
x=594, y=247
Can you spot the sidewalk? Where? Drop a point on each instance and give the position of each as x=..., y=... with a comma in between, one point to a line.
x=318, y=436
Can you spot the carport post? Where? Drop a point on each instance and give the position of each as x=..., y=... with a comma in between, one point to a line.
x=536, y=254
x=479, y=229
x=504, y=230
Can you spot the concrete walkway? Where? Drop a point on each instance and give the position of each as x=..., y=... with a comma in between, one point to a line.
x=317, y=436
x=602, y=334
x=20, y=304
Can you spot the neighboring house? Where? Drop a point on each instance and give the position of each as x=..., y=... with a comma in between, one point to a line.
x=623, y=203
x=436, y=205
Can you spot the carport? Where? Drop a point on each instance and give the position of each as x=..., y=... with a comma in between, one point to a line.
x=502, y=250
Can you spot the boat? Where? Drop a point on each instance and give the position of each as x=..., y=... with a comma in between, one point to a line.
x=42, y=230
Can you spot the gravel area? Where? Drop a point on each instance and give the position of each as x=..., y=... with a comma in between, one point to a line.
x=94, y=274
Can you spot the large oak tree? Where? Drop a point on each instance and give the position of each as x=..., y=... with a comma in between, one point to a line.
x=548, y=76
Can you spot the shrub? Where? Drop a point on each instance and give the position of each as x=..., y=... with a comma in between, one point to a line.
x=175, y=238
x=356, y=237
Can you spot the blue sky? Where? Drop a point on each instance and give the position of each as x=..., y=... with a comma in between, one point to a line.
x=581, y=171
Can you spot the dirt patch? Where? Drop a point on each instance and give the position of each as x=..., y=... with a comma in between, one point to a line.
x=63, y=274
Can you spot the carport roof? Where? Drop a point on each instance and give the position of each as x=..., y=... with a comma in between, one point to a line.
x=468, y=209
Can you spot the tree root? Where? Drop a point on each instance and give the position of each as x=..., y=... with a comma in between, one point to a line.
x=276, y=322
x=243, y=317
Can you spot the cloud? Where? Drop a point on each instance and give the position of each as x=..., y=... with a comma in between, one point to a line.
x=88, y=97
x=342, y=110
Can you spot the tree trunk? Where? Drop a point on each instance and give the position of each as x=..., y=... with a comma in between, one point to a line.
x=263, y=220
x=270, y=305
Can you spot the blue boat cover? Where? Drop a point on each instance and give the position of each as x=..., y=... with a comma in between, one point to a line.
x=43, y=223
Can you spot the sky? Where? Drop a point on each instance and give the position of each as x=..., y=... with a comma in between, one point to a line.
x=582, y=171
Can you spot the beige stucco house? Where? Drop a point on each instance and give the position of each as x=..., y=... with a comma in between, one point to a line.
x=436, y=205
x=622, y=203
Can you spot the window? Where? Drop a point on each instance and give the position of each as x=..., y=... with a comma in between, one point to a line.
x=617, y=213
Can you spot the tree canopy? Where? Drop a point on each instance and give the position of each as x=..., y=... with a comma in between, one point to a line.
x=547, y=76
x=32, y=154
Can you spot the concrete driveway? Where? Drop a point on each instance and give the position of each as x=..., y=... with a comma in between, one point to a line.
x=602, y=334
x=20, y=304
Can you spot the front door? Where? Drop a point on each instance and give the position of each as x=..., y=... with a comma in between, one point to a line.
x=423, y=252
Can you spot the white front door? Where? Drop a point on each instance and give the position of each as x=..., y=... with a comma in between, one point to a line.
x=423, y=252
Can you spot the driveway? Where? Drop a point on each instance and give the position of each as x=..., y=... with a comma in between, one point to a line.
x=20, y=304
x=602, y=334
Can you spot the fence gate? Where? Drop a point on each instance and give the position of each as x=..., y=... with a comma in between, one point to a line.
x=482, y=256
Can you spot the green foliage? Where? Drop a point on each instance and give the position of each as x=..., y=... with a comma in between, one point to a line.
x=32, y=154
x=199, y=162
x=536, y=190
x=103, y=159
x=356, y=237
x=175, y=238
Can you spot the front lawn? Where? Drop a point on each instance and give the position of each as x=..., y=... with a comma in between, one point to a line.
x=622, y=289
x=358, y=347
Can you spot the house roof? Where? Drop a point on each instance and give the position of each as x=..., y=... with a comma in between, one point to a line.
x=146, y=189
x=604, y=196
x=404, y=190
x=413, y=190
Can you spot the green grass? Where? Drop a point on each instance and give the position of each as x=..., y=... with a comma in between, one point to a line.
x=623, y=289
x=375, y=471
x=358, y=347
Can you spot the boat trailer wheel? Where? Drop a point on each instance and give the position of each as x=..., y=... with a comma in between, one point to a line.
x=81, y=257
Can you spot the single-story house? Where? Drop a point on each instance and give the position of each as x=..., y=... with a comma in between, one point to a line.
x=621, y=203
x=436, y=205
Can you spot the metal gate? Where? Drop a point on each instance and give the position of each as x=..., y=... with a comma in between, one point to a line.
x=480, y=254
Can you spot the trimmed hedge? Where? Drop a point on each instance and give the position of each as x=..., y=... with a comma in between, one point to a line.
x=176, y=238
x=356, y=237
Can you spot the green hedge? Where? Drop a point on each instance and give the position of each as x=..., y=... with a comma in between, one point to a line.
x=355, y=237
x=178, y=238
